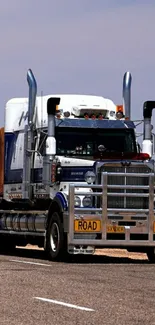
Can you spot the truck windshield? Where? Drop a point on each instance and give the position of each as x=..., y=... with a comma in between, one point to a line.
x=86, y=142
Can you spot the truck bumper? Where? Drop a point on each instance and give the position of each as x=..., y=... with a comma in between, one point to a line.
x=114, y=227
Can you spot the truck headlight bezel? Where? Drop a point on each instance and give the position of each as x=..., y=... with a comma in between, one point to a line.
x=77, y=201
x=87, y=201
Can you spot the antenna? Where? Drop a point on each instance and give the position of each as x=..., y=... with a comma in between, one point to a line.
x=41, y=108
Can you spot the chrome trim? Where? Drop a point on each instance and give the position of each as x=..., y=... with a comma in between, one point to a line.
x=151, y=206
x=71, y=213
x=140, y=226
x=21, y=233
x=127, y=79
x=104, y=181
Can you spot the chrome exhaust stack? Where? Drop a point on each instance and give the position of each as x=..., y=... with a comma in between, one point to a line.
x=127, y=95
x=32, y=96
x=147, y=145
x=29, y=138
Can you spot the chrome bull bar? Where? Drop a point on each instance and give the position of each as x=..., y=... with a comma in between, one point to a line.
x=102, y=213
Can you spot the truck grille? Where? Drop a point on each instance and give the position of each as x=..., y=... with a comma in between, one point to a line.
x=126, y=202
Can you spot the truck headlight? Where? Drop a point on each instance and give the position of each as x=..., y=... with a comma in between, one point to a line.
x=77, y=201
x=90, y=177
x=87, y=201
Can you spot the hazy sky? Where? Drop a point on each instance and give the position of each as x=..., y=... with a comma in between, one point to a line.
x=78, y=46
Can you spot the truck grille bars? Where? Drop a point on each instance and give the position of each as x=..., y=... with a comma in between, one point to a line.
x=122, y=210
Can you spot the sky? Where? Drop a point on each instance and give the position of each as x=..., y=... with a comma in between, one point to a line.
x=78, y=46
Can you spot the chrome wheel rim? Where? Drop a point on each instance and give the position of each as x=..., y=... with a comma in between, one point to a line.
x=54, y=237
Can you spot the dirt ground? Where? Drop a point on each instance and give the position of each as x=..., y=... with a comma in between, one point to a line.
x=108, y=252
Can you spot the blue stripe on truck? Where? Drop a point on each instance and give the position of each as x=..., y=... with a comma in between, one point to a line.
x=69, y=174
x=14, y=176
x=10, y=140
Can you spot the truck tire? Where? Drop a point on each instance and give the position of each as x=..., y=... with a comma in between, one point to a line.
x=56, y=239
x=151, y=254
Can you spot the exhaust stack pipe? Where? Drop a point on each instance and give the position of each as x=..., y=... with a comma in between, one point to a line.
x=29, y=139
x=147, y=145
x=127, y=95
x=32, y=96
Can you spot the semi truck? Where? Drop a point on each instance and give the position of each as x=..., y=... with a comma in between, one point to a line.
x=72, y=177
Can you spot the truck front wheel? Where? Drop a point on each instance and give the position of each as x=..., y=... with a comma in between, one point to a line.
x=56, y=239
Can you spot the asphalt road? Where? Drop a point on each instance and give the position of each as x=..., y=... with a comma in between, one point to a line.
x=100, y=290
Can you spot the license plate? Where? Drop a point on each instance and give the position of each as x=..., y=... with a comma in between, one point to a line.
x=114, y=229
x=87, y=225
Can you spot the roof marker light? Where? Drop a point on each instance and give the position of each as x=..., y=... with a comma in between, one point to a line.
x=86, y=116
x=66, y=114
x=58, y=114
x=119, y=115
x=112, y=113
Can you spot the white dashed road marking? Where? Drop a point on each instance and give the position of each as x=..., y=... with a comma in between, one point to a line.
x=26, y=262
x=64, y=304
